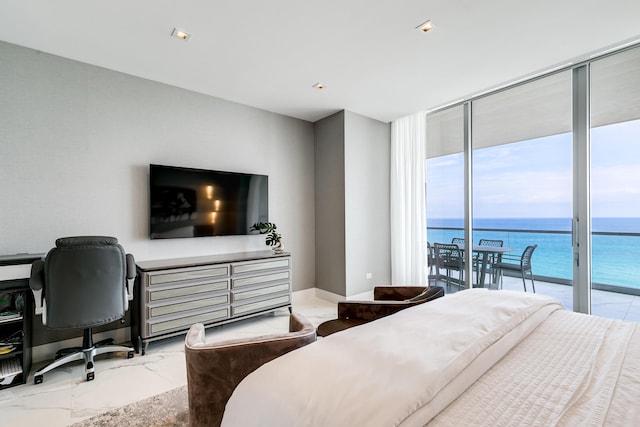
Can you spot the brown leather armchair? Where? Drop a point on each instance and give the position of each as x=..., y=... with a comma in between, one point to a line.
x=386, y=300
x=215, y=369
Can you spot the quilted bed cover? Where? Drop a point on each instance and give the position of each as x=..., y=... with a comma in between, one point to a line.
x=477, y=357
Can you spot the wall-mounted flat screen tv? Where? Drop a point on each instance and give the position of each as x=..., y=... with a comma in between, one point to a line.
x=186, y=202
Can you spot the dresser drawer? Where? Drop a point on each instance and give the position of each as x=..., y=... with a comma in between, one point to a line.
x=188, y=274
x=237, y=310
x=159, y=326
x=167, y=292
x=252, y=293
x=177, y=307
x=263, y=278
x=253, y=266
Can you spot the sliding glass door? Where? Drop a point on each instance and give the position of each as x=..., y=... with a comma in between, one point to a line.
x=445, y=180
x=522, y=181
x=553, y=162
x=615, y=185
x=445, y=175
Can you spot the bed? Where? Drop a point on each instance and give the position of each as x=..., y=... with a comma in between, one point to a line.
x=477, y=357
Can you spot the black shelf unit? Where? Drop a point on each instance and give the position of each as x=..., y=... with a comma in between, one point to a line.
x=19, y=327
x=22, y=324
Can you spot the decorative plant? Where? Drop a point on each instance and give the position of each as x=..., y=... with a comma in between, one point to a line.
x=273, y=237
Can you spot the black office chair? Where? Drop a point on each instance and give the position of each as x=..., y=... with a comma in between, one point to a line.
x=83, y=282
x=521, y=265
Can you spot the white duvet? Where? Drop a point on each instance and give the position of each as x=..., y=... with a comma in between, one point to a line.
x=573, y=370
x=420, y=365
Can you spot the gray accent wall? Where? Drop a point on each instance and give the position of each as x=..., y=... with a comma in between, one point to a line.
x=330, y=203
x=76, y=142
x=352, y=203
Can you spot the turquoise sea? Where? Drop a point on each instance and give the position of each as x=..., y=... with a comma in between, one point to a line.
x=616, y=258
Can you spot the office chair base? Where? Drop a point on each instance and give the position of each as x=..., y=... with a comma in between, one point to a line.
x=70, y=350
x=83, y=354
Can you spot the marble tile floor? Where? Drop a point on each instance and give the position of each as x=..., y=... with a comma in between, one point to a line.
x=64, y=398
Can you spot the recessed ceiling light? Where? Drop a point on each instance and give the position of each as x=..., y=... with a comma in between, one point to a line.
x=180, y=34
x=318, y=86
x=425, y=26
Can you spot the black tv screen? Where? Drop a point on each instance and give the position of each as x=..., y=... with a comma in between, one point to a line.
x=186, y=202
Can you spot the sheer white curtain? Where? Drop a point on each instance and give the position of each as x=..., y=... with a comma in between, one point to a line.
x=408, y=210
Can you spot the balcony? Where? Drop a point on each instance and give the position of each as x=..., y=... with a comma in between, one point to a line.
x=605, y=303
x=616, y=287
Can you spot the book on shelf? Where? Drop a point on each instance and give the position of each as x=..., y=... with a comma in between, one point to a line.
x=10, y=315
x=6, y=349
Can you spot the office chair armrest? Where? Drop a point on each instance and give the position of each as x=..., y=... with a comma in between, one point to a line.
x=131, y=276
x=36, y=283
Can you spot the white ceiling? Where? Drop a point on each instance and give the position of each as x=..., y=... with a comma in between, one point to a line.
x=269, y=53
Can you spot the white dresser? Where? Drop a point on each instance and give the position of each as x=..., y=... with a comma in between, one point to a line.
x=174, y=294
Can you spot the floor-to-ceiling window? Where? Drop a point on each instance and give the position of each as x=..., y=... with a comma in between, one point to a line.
x=445, y=176
x=615, y=184
x=522, y=180
x=522, y=171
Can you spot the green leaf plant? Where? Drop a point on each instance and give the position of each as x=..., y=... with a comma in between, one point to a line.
x=273, y=237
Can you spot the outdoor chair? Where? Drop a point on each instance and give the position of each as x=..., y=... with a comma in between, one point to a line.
x=431, y=261
x=521, y=265
x=450, y=258
x=493, y=258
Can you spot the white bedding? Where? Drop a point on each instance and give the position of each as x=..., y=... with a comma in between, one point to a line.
x=423, y=362
x=564, y=373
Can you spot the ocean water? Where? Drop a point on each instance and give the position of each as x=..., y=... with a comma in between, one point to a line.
x=615, y=258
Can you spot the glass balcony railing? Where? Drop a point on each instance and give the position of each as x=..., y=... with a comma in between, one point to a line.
x=615, y=255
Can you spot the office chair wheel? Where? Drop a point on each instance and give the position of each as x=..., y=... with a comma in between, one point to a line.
x=90, y=376
x=38, y=379
x=130, y=355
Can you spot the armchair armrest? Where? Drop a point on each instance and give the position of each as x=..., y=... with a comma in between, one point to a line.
x=396, y=293
x=354, y=313
x=387, y=302
x=366, y=311
x=215, y=369
x=36, y=283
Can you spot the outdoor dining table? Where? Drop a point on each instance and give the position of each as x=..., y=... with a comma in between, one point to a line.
x=484, y=252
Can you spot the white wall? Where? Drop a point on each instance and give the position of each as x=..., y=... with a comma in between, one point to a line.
x=76, y=141
x=367, y=230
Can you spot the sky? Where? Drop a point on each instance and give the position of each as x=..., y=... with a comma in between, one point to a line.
x=533, y=178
